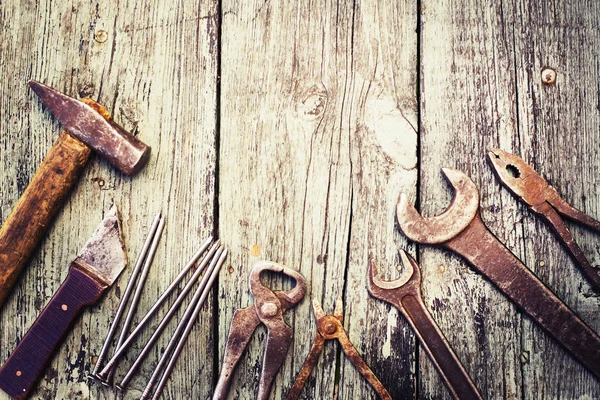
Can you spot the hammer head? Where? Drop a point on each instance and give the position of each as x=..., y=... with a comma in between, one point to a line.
x=119, y=147
x=447, y=225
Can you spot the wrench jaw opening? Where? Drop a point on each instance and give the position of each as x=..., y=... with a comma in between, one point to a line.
x=449, y=224
x=393, y=291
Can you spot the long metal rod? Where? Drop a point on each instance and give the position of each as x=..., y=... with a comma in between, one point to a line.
x=185, y=325
x=125, y=298
x=140, y=358
x=138, y=292
x=121, y=350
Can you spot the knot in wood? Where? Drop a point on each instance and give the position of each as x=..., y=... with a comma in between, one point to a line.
x=312, y=103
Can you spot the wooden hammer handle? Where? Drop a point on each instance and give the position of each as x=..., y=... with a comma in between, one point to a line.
x=35, y=210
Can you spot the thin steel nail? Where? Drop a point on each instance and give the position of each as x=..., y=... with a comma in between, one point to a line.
x=186, y=332
x=138, y=292
x=187, y=322
x=163, y=324
x=121, y=350
x=123, y=303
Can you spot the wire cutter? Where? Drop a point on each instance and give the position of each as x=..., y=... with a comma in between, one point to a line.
x=268, y=308
x=543, y=200
x=404, y=293
x=331, y=327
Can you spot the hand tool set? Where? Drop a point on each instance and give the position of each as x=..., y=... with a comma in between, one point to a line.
x=459, y=229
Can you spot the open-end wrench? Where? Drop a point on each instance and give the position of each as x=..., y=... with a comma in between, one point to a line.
x=404, y=293
x=461, y=230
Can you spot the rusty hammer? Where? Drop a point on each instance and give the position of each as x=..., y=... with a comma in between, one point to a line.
x=87, y=126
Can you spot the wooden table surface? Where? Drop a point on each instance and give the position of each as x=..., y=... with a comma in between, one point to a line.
x=288, y=129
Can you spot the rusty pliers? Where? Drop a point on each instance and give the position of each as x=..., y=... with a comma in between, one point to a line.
x=268, y=308
x=331, y=327
x=543, y=200
x=404, y=293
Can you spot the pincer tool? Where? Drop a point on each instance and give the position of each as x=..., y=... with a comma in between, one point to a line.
x=331, y=327
x=404, y=293
x=544, y=201
x=268, y=309
x=461, y=230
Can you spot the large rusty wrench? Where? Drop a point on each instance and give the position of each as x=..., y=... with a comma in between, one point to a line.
x=461, y=230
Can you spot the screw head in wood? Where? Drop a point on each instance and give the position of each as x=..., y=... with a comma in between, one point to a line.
x=101, y=36
x=548, y=76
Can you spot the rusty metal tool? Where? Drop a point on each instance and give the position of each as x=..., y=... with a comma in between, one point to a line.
x=183, y=329
x=404, y=293
x=461, y=230
x=125, y=297
x=96, y=267
x=120, y=352
x=268, y=309
x=544, y=201
x=87, y=126
x=331, y=327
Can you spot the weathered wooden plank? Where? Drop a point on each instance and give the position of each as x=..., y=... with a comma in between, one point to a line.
x=318, y=120
x=285, y=175
x=383, y=141
x=559, y=137
x=327, y=118
x=467, y=106
x=156, y=70
x=494, y=81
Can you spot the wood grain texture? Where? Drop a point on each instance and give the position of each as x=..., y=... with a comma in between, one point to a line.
x=559, y=136
x=155, y=70
x=325, y=112
x=468, y=105
x=323, y=130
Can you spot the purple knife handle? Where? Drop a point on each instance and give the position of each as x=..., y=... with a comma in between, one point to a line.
x=29, y=360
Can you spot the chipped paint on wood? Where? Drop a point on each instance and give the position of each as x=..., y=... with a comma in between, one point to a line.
x=327, y=113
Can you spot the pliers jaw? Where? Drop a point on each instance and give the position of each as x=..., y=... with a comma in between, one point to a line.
x=268, y=309
x=544, y=201
x=329, y=326
x=519, y=178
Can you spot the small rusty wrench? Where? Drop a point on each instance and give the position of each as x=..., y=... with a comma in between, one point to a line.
x=461, y=230
x=543, y=200
x=331, y=327
x=268, y=309
x=404, y=293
